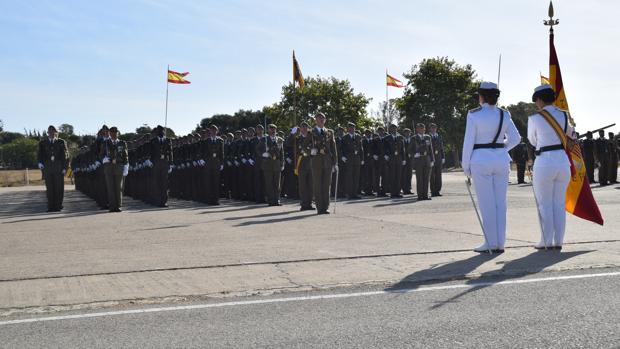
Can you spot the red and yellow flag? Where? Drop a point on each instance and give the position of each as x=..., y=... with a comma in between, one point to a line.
x=177, y=78
x=579, y=199
x=544, y=80
x=297, y=75
x=392, y=81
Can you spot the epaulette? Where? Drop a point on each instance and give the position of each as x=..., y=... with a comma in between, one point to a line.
x=475, y=110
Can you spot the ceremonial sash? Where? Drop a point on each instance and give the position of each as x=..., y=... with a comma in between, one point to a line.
x=568, y=144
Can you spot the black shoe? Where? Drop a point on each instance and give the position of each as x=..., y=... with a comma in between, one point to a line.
x=323, y=212
x=498, y=250
x=558, y=248
x=163, y=205
x=381, y=195
x=396, y=196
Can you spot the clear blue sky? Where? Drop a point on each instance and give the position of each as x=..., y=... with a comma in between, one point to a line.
x=86, y=62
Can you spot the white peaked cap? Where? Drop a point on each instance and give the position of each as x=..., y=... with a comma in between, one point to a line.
x=487, y=85
x=543, y=87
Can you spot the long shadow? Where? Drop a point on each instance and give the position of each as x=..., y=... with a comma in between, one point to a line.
x=274, y=220
x=531, y=264
x=31, y=203
x=260, y=215
x=439, y=273
x=396, y=202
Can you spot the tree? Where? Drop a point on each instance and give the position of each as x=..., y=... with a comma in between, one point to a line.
x=65, y=130
x=385, y=117
x=8, y=137
x=336, y=98
x=520, y=112
x=440, y=91
x=1, y=125
x=20, y=153
x=230, y=123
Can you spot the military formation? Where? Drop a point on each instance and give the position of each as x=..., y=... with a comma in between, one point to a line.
x=312, y=164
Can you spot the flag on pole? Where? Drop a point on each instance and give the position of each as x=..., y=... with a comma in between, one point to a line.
x=177, y=78
x=297, y=76
x=394, y=82
x=579, y=199
x=544, y=80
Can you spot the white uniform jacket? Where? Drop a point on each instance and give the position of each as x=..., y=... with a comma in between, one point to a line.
x=481, y=128
x=541, y=134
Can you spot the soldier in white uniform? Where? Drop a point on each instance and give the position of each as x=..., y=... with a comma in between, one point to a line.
x=489, y=134
x=551, y=168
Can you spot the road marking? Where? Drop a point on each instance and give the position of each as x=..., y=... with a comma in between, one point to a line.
x=305, y=298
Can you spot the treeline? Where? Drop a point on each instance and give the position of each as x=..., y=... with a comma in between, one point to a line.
x=437, y=90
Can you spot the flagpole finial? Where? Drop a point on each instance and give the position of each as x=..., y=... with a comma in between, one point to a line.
x=551, y=22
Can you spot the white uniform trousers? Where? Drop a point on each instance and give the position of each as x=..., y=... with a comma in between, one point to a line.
x=491, y=184
x=550, y=183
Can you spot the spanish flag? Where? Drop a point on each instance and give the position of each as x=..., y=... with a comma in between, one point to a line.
x=544, y=80
x=392, y=81
x=177, y=78
x=579, y=199
x=297, y=76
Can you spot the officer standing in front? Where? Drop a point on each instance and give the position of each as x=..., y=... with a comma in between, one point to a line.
x=52, y=155
x=116, y=167
x=161, y=157
x=551, y=168
x=439, y=157
x=324, y=161
x=423, y=160
x=303, y=167
x=489, y=134
x=272, y=150
x=352, y=156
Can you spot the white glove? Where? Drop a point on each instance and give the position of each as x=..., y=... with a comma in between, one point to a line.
x=288, y=160
x=417, y=155
x=170, y=169
x=251, y=162
x=105, y=160
x=294, y=130
x=194, y=163
x=97, y=163
x=265, y=154
x=64, y=172
x=236, y=163
x=344, y=159
x=404, y=162
x=314, y=151
x=443, y=161
x=125, y=170
x=244, y=161
x=376, y=157
x=362, y=163
x=282, y=169
x=432, y=163
x=228, y=163
x=150, y=164
x=386, y=157
x=221, y=167
x=335, y=168
x=41, y=166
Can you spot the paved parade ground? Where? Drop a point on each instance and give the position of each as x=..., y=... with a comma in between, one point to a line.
x=86, y=260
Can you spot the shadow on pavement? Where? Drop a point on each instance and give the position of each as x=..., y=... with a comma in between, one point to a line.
x=530, y=264
x=260, y=215
x=276, y=220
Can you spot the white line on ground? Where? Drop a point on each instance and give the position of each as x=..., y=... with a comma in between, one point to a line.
x=305, y=298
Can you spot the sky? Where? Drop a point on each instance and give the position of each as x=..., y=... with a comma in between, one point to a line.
x=90, y=62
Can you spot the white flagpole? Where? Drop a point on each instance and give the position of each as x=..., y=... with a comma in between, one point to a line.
x=166, y=115
x=387, y=99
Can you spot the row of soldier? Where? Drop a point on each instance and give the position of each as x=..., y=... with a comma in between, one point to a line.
x=250, y=165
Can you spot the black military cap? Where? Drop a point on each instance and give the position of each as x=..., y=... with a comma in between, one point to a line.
x=420, y=125
x=105, y=127
x=380, y=128
x=113, y=129
x=51, y=127
x=367, y=131
x=350, y=124
x=213, y=127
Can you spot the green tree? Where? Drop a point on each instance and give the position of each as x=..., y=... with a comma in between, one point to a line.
x=65, y=130
x=336, y=98
x=20, y=153
x=440, y=91
x=520, y=112
x=8, y=137
x=230, y=123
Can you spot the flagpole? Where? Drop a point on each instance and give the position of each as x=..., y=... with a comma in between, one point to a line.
x=499, y=69
x=387, y=100
x=166, y=114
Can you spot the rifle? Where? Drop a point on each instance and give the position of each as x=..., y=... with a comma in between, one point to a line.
x=595, y=131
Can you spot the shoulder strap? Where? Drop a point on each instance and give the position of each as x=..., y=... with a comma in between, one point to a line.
x=565, y=121
x=555, y=125
x=501, y=123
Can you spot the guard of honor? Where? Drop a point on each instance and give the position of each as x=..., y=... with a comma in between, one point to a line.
x=307, y=164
